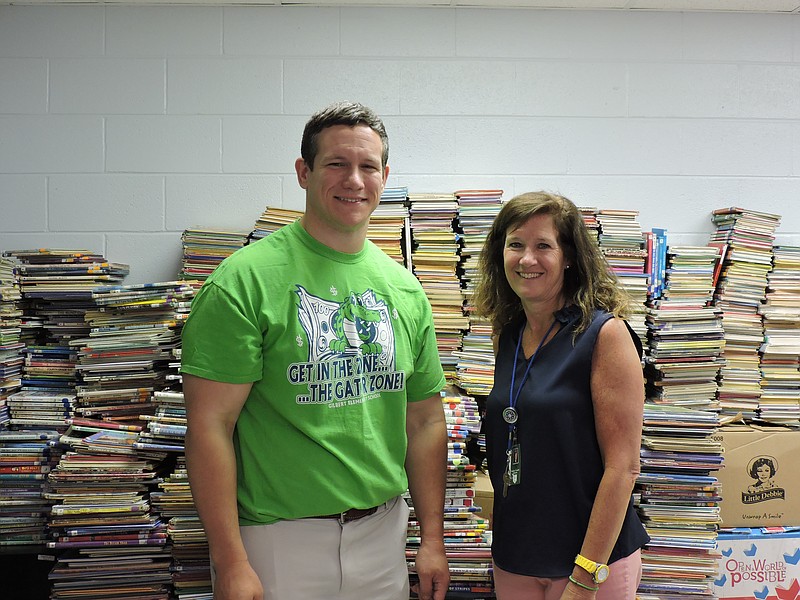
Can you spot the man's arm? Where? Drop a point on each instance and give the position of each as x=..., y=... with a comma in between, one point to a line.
x=426, y=466
x=212, y=409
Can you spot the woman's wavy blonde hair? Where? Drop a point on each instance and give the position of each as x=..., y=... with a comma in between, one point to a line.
x=589, y=283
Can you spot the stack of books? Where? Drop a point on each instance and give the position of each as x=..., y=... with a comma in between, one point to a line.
x=166, y=427
x=434, y=259
x=36, y=415
x=173, y=502
x=387, y=225
x=741, y=288
x=589, y=214
x=26, y=457
x=467, y=539
x=204, y=249
x=126, y=355
x=477, y=210
x=11, y=344
x=678, y=495
x=111, y=543
x=475, y=367
x=623, y=245
x=191, y=568
x=57, y=289
x=780, y=353
x=35, y=409
x=37, y=386
x=54, y=274
x=273, y=219
x=677, y=492
x=685, y=337
x=50, y=366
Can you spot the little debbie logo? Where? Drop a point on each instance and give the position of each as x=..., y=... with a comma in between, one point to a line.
x=762, y=469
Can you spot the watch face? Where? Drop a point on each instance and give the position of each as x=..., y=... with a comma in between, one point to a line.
x=601, y=574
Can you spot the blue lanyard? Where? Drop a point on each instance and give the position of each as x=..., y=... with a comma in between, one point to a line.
x=513, y=396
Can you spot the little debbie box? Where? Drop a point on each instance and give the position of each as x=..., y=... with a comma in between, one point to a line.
x=758, y=566
x=760, y=485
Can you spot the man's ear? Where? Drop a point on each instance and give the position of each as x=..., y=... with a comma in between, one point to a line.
x=302, y=170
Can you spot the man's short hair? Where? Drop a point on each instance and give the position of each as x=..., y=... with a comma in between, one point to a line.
x=341, y=113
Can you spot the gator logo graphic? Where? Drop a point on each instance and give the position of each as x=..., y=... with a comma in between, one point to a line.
x=351, y=350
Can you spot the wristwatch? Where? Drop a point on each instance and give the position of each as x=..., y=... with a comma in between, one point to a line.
x=598, y=571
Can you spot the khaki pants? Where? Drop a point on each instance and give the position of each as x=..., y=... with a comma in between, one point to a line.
x=320, y=559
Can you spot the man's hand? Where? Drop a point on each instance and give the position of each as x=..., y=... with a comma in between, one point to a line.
x=237, y=581
x=433, y=572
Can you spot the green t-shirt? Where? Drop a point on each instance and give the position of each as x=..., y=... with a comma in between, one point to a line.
x=335, y=344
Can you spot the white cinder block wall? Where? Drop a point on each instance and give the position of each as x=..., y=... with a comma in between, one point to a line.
x=120, y=126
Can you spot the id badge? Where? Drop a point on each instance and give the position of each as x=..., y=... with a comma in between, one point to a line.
x=515, y=465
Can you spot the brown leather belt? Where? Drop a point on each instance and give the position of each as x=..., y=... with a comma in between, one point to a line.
x=354, y=514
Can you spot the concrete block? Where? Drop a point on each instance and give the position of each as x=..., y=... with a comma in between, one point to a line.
x=107, y=86
x=107, y=203
x=24, y=88
x=163, y=144
x=225, y=86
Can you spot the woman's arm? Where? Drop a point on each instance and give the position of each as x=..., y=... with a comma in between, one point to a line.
x=617, y=385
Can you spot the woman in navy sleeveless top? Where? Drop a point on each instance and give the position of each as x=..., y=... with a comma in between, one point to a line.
x=564, y=418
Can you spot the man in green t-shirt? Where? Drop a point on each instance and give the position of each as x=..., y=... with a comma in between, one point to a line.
x=311, y=378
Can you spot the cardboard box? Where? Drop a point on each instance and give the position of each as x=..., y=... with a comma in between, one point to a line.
x=760, y=485
x=758, y=566
x=484, y=496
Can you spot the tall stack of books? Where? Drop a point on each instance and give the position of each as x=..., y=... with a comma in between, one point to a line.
x=677, y=496
x=434, y=259
x=685, y=337
x=741, y=288
x=56, y=286
x=467, y=541
x=102, y=512
x=387, y=225
x=11, y=344
x=623, y=244
x=780, y=353
x=173, y=501
x=271, y=220
x=677, y=492
x=477, y=210
x=204, y=249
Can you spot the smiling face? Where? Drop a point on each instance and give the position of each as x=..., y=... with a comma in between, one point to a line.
x=764, y=472
x=534, y=263
x=344, y=186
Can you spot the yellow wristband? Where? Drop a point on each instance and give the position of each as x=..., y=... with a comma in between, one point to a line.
x=583, y=585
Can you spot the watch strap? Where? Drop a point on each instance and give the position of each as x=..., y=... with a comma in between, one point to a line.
x=587, y=565
x=598, y=571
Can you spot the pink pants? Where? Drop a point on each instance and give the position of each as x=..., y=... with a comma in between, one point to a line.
x=620, y=585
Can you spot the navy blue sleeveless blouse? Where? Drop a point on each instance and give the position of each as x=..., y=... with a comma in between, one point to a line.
x=539, y=527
